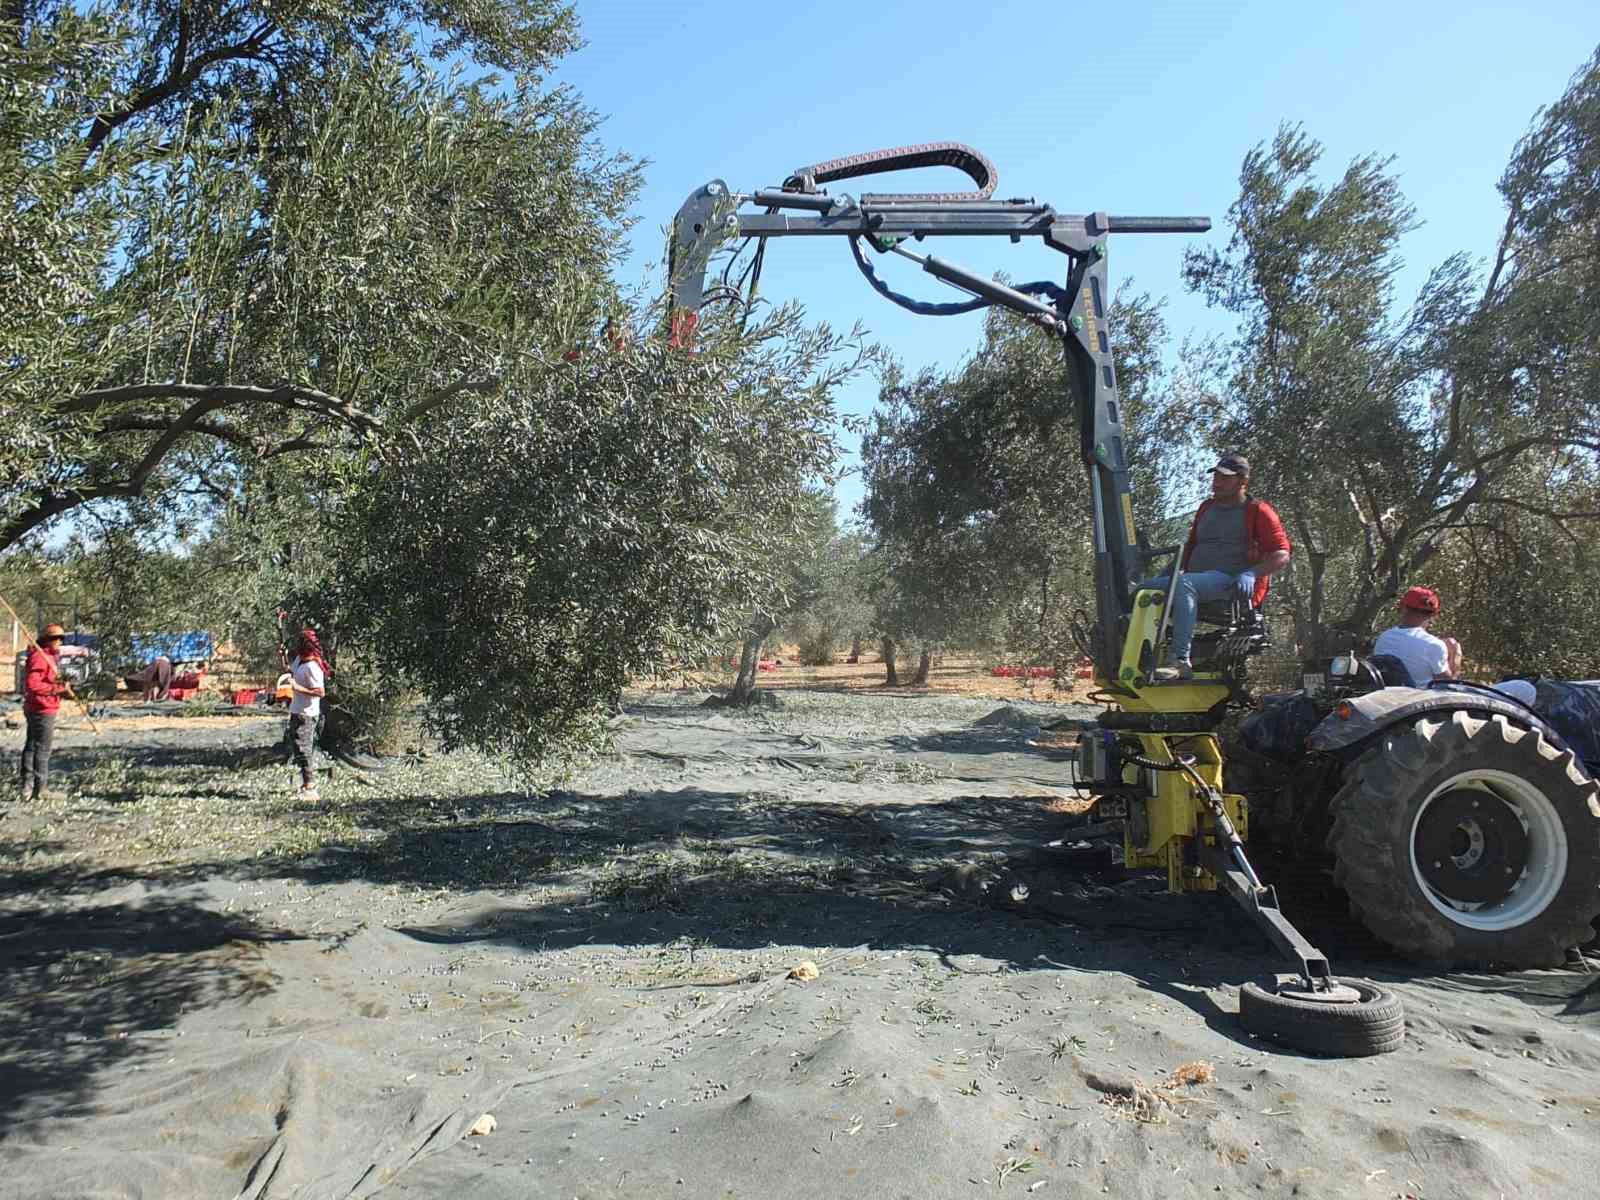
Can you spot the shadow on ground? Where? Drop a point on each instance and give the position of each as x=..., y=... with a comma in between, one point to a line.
x=92, y=990
x=743, y=870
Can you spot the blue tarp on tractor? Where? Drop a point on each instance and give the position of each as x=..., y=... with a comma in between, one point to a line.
x=179, y=647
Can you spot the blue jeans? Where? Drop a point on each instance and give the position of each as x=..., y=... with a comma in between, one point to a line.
x=1193, y=590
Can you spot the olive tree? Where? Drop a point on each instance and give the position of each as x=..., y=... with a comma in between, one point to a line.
x=595, y=517
x=976, y=495
x=245, y=231
x=1389, y=435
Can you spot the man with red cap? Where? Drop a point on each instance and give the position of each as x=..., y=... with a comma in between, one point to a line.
x=42, y=690
x=1426, y=657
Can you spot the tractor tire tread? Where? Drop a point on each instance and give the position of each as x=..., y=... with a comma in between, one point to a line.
x=1370, y=832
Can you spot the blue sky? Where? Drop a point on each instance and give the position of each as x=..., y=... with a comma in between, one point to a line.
x=1143, y=109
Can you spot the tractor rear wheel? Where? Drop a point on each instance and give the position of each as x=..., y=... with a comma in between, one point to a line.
x=1470, y=840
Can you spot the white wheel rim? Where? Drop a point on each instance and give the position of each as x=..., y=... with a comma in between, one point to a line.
x=1543, y=873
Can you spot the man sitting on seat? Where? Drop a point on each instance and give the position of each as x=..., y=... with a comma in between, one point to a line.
x=1235, y=543
x=1426, y=657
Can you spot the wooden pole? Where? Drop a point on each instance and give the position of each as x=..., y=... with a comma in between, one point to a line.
x=71, y=695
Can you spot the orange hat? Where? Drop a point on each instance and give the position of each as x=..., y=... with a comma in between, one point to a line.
x=1420, y=599
x=51, y=632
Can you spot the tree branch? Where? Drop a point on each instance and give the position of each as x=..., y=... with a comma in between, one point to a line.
x=181, y=76
x=53, y=504
x=294, y=446
x=206, y=399
x=260, y=447
x=481, y=387
x=158, y=425
x=1540, y=510
x=306, y=399
x=180, y=52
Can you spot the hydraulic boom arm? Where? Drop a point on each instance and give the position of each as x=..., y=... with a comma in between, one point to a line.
x=1155, y=761
x=1075, y=313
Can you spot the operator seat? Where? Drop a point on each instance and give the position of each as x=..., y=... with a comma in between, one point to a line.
x=1228, y=632
x=1392, y=672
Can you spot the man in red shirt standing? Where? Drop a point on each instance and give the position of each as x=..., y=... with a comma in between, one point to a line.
x=41, y=701
x=1235, y=543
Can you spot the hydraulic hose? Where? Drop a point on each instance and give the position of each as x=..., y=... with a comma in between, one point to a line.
x=949, y=308
x=1213, y=802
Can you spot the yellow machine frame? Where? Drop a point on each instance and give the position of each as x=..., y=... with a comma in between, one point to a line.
x=1185, y=823
x=1176, y=818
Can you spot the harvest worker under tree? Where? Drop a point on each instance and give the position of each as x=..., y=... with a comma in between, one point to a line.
x=309, y=674
x=41, y=703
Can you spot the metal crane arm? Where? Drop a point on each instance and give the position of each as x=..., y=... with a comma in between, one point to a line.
x=1076, y=313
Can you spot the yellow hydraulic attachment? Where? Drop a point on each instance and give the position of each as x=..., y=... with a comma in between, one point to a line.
x=1167, y=817
x=1175, y=817
x=1154, y=758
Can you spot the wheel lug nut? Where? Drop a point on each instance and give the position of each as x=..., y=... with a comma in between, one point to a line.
x=1437, y=865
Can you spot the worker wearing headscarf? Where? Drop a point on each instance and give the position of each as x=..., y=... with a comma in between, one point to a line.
x=309, y=674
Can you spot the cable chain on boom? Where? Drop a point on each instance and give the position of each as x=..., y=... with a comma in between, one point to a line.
x=973, y=163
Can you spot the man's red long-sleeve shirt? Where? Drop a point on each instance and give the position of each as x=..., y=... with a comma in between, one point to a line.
x=39, y=694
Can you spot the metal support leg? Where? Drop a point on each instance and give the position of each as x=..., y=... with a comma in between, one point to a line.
x=1226, y=860
x=1260, y=903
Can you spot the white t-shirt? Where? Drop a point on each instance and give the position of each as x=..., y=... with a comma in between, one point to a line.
x=1425, y=656
x=307, y=673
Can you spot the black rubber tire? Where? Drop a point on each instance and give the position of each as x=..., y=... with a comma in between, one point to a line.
x=1375, y=1024
x=1374, y=813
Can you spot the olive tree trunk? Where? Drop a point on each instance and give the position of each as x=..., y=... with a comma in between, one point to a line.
x=886, y=649
x=744, y=683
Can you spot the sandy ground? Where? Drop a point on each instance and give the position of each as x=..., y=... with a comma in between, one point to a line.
x=609, y=970
x=952, y=675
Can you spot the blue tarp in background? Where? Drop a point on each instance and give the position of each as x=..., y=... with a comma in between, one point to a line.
x=179, y=647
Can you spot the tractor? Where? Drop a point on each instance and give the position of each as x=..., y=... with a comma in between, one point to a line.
x=1460, y=822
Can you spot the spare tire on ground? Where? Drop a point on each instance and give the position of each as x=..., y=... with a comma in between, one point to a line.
x=1366, y=1020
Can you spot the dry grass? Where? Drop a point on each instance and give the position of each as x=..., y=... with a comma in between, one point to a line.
x=953, y=676
x=1070, y=806
x=1135, y=1100
x=1192, y=1074
x=132, y=723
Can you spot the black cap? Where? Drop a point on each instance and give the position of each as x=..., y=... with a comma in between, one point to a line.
x=1232, y=464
